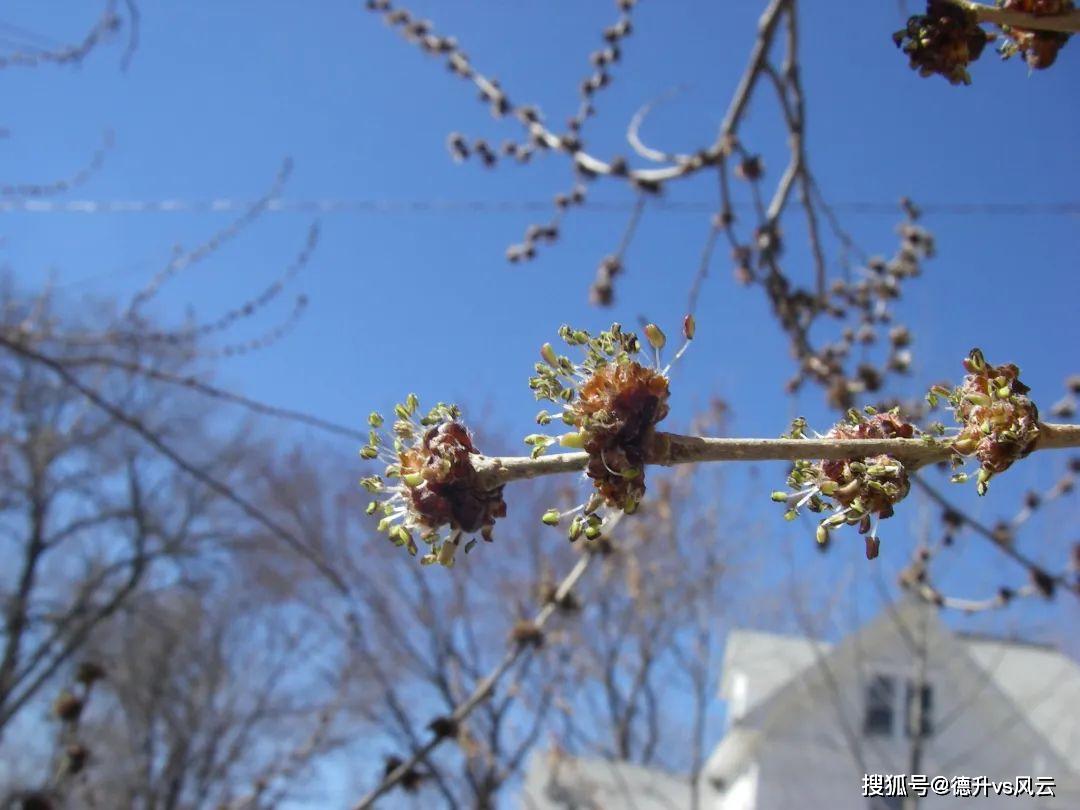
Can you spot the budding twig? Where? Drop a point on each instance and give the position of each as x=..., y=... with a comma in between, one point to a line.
x=669, y=449
x=78, y=178
x=1002, y=542
x=483, y=689
x=214, y=392
x=73, y=54
x=1066, y=22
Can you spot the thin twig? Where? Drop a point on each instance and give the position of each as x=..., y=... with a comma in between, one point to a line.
x=106, y=24
x=150, y=437
x=1067, y=21
x=214, y=392
x=668, y=449
x=483, y=689
x=1002, y=542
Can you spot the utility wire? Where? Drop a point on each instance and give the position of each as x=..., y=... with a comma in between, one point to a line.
x=445, y=206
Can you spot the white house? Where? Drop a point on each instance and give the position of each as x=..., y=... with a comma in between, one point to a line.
x=809, y=723
x=557, y=782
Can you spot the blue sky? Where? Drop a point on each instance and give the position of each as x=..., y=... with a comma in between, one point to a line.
x=219, y=93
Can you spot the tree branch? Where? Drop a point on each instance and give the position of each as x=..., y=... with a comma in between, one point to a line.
x=483, y=690
x=133, y=424
x=669, y=449
x=1068, y=21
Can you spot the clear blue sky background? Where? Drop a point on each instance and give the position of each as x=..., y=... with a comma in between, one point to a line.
x=218, y=93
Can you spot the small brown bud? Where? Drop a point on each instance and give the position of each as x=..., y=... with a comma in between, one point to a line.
x=1043, y=582
x=89, y=672
x=67, y=707
x=444, y=727
x=689, y=327
x=75, y=758
x=873, y=546
x=750, y=168
x=527, y=633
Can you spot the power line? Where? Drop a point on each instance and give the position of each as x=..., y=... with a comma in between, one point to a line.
x=231, y=205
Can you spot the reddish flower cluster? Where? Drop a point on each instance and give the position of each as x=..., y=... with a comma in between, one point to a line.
x=1000, y=424
x=877, y=497
x=429, y=482
x=618, y=409
x=859, y=491
x=944, y=41
x=447, y=492
x=1040, y=48
x=614, y=403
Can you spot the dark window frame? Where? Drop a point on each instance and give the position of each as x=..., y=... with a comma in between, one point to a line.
x=880, y=706
x=927, y=693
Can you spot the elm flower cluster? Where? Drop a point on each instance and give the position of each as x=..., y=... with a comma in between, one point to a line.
x=860, y=492
x=614, y=402
x=945, y=41
x=430, y=487
x=1039, y=48
x=998, y=422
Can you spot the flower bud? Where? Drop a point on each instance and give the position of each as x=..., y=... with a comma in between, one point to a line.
x=873, y=546
x=576, y=526
x=573, y=440
x=446, y=554
x=655, y=336
x=689, y=327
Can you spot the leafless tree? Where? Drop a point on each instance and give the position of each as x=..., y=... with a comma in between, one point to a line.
x=419, y=645
x=88, y=514
x=212, y=698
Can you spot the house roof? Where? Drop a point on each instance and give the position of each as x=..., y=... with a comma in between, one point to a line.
x=1042, y=683
x=555, y=780
x=769, y=660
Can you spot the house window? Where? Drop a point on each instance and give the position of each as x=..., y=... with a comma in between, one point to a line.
x=880, y=699
x=919, y=711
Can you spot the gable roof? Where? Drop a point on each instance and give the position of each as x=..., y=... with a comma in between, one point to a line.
x=557, y=781
x=1040, y=684
x=768, y=660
